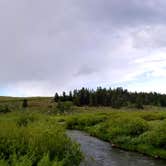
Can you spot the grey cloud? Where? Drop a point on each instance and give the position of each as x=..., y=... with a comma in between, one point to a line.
x=126, y=12
x=51, y=41
x=149, y=37
x=85, y=70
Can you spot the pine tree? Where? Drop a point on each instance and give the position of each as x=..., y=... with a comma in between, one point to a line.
x=56, y=97
x=25, y=103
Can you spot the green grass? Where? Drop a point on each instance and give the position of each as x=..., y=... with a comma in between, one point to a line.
x=30, y=139
x=35, y=134
x=36, y=104
x=141, y=131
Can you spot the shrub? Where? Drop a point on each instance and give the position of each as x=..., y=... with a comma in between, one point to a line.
x=45, y=161
x=25, y=103
x=83, y=121
x=3, y=163
x=25, y=118
x=4, y=109
x=153, y=116
x=22, y=161
x=63, y=107
x=127, y=126
x=155, y=137
x=28, y=142
x=139, y=106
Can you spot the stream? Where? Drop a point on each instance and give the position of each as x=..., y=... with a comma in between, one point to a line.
x=100, y=153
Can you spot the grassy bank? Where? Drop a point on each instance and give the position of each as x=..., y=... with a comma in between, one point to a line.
x=43, y=131
x=141, y=131
x=28, y=139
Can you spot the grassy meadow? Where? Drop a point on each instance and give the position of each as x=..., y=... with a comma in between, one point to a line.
x=35, y=136
x=140, y=131
x=29, y=138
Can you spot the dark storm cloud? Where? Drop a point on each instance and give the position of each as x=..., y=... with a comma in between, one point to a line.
x=49, y=42
x=126, y=12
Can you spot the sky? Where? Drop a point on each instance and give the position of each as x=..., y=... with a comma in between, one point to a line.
x=49, y=46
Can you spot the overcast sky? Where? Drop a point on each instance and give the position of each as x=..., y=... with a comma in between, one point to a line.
x=55, y=45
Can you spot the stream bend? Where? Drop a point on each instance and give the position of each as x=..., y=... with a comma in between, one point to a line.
x=100, y=153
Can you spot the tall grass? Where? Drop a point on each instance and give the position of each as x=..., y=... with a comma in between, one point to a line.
x=35, y=140
x=139, y=131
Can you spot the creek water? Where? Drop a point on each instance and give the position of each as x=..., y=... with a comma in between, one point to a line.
x=100, y=153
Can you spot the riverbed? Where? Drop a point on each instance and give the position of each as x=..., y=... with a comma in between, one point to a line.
x=100, y=153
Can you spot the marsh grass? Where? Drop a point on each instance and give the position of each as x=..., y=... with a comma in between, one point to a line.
x=29, y=139
x=35, y=136
x=141, y=131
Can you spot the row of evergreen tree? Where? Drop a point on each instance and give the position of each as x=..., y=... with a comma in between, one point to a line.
x=115, y=98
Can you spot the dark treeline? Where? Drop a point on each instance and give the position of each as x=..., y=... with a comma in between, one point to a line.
x=115, y=98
